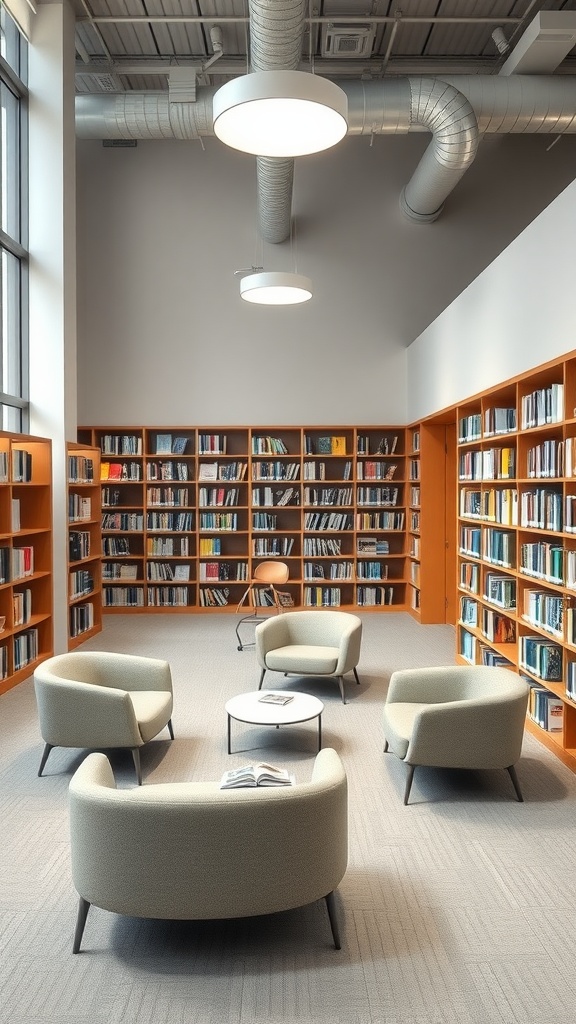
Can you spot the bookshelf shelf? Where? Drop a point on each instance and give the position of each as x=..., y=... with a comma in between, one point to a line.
x=84, y=543
x=323, y=495
x=26, y=601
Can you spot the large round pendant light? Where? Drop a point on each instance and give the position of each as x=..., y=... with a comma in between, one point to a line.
x=276, y=288
x=280, y=113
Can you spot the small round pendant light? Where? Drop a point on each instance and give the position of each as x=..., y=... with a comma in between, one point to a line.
x=276, y=288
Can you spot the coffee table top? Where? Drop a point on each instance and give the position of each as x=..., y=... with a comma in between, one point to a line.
x=247, y=707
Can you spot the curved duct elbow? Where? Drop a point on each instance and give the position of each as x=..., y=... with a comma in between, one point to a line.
x=445, y=112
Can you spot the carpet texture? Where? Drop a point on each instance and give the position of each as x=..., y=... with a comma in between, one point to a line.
x=458, y=909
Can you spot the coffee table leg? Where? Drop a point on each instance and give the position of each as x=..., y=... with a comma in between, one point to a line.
x=320, y=731
x=229, y=720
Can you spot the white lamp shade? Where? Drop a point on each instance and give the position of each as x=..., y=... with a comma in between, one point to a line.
x=280, y=113
x=276, y=289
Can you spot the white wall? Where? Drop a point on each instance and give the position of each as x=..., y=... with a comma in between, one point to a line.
x=518, y=313
x=52, y=243
x=163, y=337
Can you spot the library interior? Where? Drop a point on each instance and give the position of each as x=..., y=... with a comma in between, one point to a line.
x=288, y=476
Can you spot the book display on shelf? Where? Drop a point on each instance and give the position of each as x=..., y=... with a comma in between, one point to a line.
x=518, y=556
x=85, y=495
x=191, y=546
x=26, y=601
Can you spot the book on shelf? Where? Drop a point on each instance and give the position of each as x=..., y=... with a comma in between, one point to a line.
x=338, y=445
x=179, y=445
x=163, y=444
x=181, y=572
x=256, y=775
x=208, y=471
x=276, y=698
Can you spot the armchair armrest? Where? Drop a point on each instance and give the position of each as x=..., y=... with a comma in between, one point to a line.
x=74, y=714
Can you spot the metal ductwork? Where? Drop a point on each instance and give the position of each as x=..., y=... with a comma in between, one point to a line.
x=276, y=34
x=456, y=109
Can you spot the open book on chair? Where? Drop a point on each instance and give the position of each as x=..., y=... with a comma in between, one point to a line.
x=256, y=775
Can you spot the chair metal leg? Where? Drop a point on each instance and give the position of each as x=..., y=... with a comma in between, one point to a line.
x=333, y=916
x=136, y=758
x=341, y=685
x=262, y=674
x=385, y=746
x=170, y=729
x=512, y=773
x=47, y=749
x=356, y=676
x=83, y=908
x=411, y=770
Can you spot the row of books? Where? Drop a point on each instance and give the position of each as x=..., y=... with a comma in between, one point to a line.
x=79, y=507
x=126, y=471
x=120, y=570
x=267, y=496
x=212, y=444
x=81, y=618
x=16, y=563
x=325, y=445
x=126, y=521
x=545, y=609
x=80, y=583
x=380, y=520
x=169, y=496
x=369, y=597
x=168, y=445
x=80, y=469
x=487, y=464
x=25, y=648
x=168, y=597
x=22, y=607
x=327, y=521
x=121, y=444
x=180, y=522
x=167, y=470
x=545, y=405
x=78, y=545
x=544, y=707
x=328, y=496
x=223, y=571
x=493, y=421
x=275, y=470
x=543, y=560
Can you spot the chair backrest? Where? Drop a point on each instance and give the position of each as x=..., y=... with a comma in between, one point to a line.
x=193, y=851
x=271, y=572
x=319, y=626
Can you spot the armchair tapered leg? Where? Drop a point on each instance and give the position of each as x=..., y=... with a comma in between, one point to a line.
x=47, y=749
x=262, y=674
x=411, y=770
x=170, y=729
x=136, y=759
x=356, y=676
x=333, y=916
x=341, y=685
x=512, y=773
x=83, y=908
x=385, y=746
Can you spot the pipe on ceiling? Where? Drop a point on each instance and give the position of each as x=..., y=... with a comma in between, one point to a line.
x=456, y=109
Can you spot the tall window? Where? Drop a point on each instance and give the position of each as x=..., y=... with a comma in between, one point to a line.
x=13, y=227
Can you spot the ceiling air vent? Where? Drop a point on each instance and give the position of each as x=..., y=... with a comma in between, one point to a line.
x=347, y=40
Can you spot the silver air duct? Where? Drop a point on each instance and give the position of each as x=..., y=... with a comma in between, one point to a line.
x=456, y=109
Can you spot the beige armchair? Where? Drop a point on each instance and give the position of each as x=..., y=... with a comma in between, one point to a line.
x=191, y=851
x=310, y=643
x=456, y=717
x=102, y=700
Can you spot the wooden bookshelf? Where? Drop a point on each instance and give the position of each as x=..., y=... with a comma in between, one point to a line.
x=196, y=508
x=84, y=543
x=516, y=537
x=26, y=600
x=431, y=521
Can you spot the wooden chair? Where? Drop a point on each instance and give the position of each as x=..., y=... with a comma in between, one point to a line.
x=267, y=577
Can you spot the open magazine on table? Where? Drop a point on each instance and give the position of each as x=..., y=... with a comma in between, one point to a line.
x=256, y=775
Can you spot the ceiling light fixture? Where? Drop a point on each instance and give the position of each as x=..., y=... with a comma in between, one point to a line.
x=280, y=113
x=276, y=288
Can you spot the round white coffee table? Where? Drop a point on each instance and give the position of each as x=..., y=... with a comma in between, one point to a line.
x=250, y=708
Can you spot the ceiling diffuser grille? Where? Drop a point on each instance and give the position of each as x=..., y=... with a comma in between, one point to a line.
x=347, y=40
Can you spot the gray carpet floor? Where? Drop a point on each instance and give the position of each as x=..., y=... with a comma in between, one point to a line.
x=458, y=909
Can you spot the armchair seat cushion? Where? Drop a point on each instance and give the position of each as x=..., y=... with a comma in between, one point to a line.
x=152, y=709
x=308, y=659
